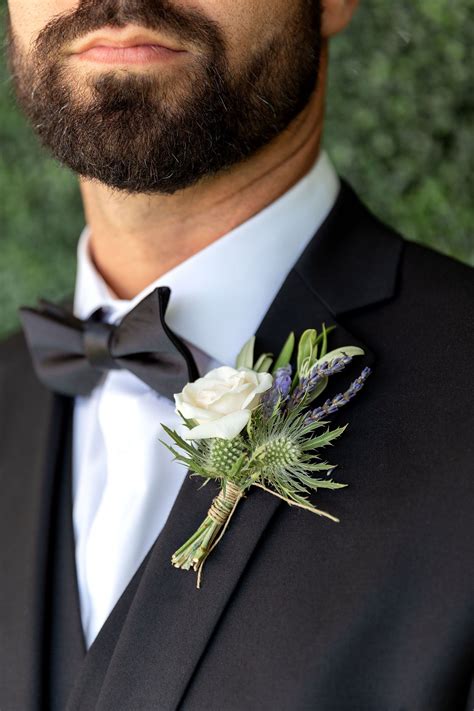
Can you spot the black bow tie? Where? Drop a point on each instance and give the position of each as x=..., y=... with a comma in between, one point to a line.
x=70, y=355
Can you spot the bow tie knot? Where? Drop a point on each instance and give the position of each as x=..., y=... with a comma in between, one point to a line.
x=97, y=337
x=70, y=355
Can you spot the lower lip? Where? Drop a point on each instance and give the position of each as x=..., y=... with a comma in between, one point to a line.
x=140, y=54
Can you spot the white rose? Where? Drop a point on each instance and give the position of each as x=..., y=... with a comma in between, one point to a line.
x=222, y=401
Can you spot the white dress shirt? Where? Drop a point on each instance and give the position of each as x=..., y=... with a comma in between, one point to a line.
x=125, y=481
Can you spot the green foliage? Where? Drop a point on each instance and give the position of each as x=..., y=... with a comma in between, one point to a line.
x=246, y=355
x=351, y=351
x=312, y=349
x=307, y=352
x=286, y=353
x=399, y=127
x=401, y=115
x=245, y=359
x=264, y=363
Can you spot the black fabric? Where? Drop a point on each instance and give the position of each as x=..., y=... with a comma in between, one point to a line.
x=296, y=613
x=65, y=648
x=70, y=355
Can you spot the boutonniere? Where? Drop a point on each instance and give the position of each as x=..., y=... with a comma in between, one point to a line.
x=258, y=425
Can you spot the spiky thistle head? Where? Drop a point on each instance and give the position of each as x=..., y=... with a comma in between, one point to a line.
x=279, y=453
x=284, y=453
x=225, y=453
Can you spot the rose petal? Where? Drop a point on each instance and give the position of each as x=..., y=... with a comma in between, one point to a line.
x=222, y=394
x=222, y=374
x=193, y=412
x=231, y=401
x=226, y=427
x=265, y=382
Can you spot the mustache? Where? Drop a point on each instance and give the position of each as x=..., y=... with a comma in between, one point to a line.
x=189, y=25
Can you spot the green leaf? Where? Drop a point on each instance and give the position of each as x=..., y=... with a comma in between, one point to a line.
x=320, y=388
x=189, y=448
x=319, y=467
x=286, y=353
x=345, y=350
x=246, y=355
x=326, y=438
x=313, y=483
x=238, y=464
x=306, y=350
x=264, y=363
x=205, y=482
x=323, y=339
x=188, y=422
x=177, y=455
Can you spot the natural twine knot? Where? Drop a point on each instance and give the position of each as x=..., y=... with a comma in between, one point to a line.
x=224, y=503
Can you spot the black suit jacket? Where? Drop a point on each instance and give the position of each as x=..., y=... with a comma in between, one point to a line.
x=296, y=613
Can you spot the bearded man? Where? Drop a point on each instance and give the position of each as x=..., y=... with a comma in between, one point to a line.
x=195, y=130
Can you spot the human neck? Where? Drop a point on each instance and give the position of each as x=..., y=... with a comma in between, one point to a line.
x=137, y=238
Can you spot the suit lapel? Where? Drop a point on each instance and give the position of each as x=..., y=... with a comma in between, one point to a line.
x=353, y=261
x=31, y=434
x=151, y=644
x=148, y=650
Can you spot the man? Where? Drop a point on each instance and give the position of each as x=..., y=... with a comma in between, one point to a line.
x=195, y=130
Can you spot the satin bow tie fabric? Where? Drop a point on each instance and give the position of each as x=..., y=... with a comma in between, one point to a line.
x=71, y=355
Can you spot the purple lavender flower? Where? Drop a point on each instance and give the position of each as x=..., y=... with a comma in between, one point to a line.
x=333, y=405
x=310, y=382
x=280, y=390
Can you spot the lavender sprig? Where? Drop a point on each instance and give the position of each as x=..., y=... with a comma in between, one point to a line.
x=308, y=384
x=279, y=392
x=333, y=405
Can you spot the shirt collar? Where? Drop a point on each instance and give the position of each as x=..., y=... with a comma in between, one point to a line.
x=221, y=294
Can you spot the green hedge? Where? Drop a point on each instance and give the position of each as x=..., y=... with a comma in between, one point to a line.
x=400, y=128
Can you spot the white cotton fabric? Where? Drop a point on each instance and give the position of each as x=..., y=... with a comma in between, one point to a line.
x=125, y=481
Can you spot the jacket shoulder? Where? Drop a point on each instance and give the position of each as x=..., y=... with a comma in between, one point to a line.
x=438, y=271
x=14, y=353
x=439, y=287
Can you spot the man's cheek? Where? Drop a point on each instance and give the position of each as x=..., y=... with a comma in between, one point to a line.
x=244, y=23
x=27, y=19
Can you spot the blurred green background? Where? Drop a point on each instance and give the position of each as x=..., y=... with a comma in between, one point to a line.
x=400, y=128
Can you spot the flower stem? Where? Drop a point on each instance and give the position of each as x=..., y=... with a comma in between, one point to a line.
x=313, y=509
x=197, y=548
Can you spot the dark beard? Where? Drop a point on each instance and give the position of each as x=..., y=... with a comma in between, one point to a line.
x=141, y=134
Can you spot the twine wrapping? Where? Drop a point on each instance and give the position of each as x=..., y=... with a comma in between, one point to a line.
x=221, y=512
x=223, y=503
x=195, y=551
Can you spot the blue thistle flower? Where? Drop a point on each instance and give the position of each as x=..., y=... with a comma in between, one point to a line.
x=334, y=404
